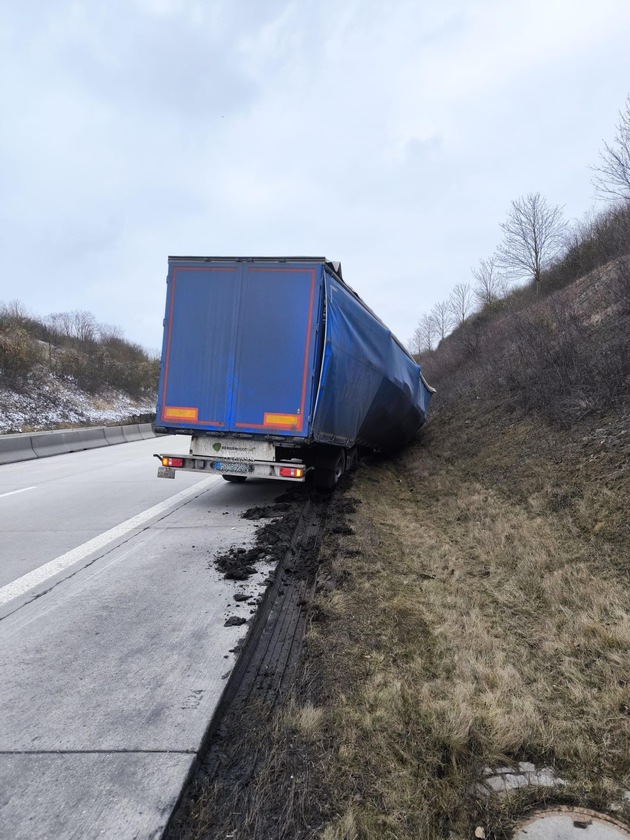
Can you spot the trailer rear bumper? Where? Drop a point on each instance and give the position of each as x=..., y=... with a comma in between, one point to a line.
x=282, y=470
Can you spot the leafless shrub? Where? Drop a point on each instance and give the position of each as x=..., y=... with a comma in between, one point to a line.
x=611, y=232
x=18, y=354
x=136, y=373
x=558, y=366
x=109, y=334
x=621, y=288
x=590, y=244
x=545, y=357
x=459, y=364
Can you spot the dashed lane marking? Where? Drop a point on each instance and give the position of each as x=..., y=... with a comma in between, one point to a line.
x=13, y=492
x=53, y=567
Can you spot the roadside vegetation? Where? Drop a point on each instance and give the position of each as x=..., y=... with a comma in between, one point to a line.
x=476, y=617
x=480, y=614
x=472, y=606
x=67, y=368
x=75, y=347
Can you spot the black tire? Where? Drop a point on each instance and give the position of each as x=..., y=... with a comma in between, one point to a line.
x=237, y=479
x=352, y=459
x=327, y=474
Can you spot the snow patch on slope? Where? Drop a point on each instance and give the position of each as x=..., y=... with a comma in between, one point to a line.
x=46, y=402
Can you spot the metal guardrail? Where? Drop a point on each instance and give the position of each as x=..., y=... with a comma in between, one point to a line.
x=29, y=445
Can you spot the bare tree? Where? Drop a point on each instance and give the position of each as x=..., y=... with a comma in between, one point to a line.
x=424, y=335
x=612, y=175
x=60, y=323
x=429, y=331
x=78, y=324
x=109, y=334
x=461, y=302
x=442, y=318
x=490, y=283
x=15, y=313
x=84, y=326
x=533, y=234
x=415, y=342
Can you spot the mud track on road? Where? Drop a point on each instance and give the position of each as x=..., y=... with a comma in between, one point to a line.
x=239, y=734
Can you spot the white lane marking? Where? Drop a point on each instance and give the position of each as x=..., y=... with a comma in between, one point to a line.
x=48, y=570
x=13, y=492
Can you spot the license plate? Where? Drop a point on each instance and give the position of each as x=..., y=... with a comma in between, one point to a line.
x=231, y=468
x=166, y=472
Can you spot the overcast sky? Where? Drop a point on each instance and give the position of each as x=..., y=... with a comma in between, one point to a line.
x=391, y=136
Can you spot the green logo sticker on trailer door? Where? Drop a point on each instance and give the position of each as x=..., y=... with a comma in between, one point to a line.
x=216, y=446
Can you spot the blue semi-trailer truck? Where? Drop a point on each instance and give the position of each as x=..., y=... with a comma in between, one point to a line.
x=277, y=369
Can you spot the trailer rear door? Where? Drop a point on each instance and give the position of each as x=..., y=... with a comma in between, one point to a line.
x=240, y=347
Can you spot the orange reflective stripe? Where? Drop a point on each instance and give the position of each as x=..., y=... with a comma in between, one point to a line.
x=291, y=421
x=174, y=412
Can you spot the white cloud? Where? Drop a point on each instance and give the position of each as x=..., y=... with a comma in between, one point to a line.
x=391, y=137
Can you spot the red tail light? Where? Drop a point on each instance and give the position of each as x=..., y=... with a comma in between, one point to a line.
x=172, y=462
x=291, y=472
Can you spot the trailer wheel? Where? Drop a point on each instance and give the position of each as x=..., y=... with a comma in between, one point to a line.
x=352, y=459
x=327, y=473
x=237, y=479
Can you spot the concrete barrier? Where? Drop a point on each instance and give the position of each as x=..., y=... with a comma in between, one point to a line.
x=16, y=448
x=114, y=435
x=31, y=445
x=132, y=432
x=146, y=430
x=67, y=440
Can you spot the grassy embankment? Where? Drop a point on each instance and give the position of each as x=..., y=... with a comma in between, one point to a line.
x=480, y=609
x=473, y=612
x=473, y=600
x=480, y=616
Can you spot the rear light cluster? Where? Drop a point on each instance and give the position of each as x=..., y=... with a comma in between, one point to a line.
x=172, y=462
x=292, y=472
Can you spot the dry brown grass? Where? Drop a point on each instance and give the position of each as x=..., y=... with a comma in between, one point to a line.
x=481, y=617
x=472, y=611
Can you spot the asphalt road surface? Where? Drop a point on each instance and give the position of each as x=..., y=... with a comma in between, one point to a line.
x=113, y=649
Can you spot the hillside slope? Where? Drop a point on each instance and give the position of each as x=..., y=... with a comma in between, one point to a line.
x=67, y=370
x=480, y=617
x=472, y=611
x=50, y=402
x=481, y=610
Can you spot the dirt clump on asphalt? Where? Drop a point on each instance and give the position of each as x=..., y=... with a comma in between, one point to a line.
x=267, y=511
x=235, y=621
x=272, y=538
